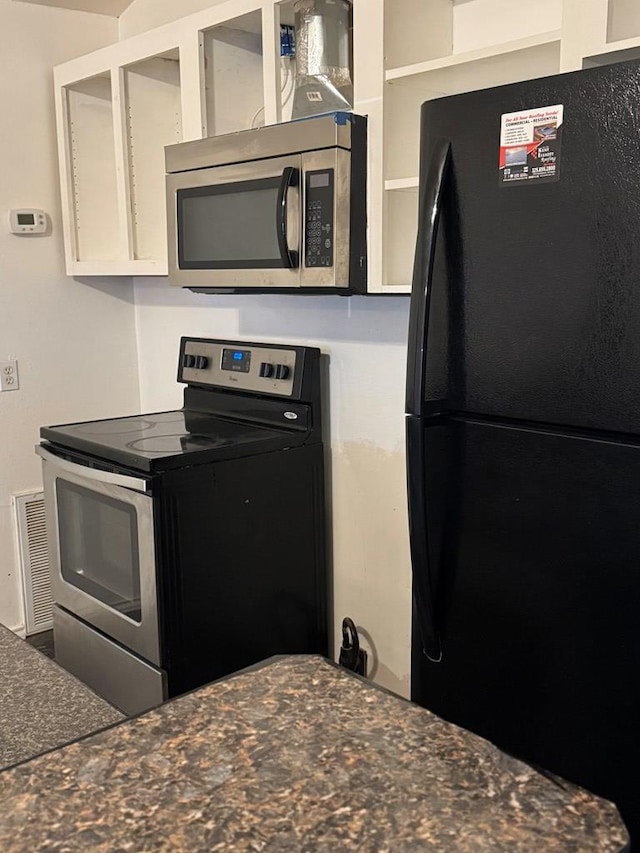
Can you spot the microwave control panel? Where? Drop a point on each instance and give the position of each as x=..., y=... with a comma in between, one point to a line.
x=319, y=218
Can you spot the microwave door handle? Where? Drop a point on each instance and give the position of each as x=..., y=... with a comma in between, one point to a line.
x=290, y=177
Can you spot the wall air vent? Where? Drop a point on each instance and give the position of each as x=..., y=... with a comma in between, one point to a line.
x=34, y=561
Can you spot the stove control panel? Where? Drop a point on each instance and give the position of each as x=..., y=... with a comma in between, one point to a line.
x=237, y=365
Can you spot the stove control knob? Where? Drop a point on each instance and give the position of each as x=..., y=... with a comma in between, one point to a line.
x=282, y=371
x=201, y=362
x=188, y=360
x=266, y=370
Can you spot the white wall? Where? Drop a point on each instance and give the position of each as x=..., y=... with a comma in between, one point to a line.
x=75, y=342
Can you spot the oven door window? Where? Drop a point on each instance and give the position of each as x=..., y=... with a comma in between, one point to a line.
x=240, y=225
x=99, y=547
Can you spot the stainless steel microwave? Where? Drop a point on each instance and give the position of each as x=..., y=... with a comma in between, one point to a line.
x=280, y=209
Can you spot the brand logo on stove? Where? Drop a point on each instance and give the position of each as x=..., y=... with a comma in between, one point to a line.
x=291, y=416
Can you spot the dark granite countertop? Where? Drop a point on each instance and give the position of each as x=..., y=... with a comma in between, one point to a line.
x=41, y=705
x=296, y=755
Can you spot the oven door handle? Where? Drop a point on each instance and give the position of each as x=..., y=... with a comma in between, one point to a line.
x=133, y=483
x=290, y=178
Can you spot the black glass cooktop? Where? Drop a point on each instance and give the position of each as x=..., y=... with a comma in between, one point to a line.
x=164, y=440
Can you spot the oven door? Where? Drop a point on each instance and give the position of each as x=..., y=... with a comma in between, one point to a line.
x=236, y=226
x=101, y=550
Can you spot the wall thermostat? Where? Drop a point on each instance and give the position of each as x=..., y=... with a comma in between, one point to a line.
x=28, y=220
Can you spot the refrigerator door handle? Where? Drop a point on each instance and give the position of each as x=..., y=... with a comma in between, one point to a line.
x=428, y=220
x=423, y=585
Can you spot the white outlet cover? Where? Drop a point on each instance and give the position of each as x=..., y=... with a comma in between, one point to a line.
x=9, y=376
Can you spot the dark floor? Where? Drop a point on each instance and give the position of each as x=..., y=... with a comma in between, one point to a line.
x=43, y=642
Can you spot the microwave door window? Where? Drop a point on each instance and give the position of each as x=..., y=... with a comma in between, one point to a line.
x=231, y=226
x=99, y=547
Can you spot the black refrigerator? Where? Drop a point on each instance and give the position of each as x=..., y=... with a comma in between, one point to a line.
x=523, y=424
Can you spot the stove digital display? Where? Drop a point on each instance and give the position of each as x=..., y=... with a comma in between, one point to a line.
x=238, y=360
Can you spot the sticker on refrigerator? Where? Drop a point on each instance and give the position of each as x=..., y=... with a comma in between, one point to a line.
x=530, y=145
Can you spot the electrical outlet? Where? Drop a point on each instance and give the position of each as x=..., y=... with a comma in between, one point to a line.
x=9, y=376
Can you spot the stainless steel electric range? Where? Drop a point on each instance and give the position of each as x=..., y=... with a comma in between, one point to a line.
x=185, y=545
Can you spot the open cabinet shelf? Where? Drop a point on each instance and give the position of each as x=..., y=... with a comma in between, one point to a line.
x=153, y=117
x=90, y=153
x=112, y=129
x=401, y=226
x=620, y=52
x=436, y=48
x=403, y=183
x=535, y=55
x=232, y=54
x=623, y=20
x=406, y=88
x=409, y=87
x=618, y=37
x=219, y=70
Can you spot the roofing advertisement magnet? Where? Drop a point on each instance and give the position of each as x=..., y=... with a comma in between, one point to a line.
x=530, y=145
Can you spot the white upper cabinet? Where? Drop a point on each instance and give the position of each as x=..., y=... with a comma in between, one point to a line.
x=119, y=107
x=220, y=70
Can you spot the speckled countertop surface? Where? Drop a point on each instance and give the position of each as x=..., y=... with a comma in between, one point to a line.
x=41, y=705
x=294, y=756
